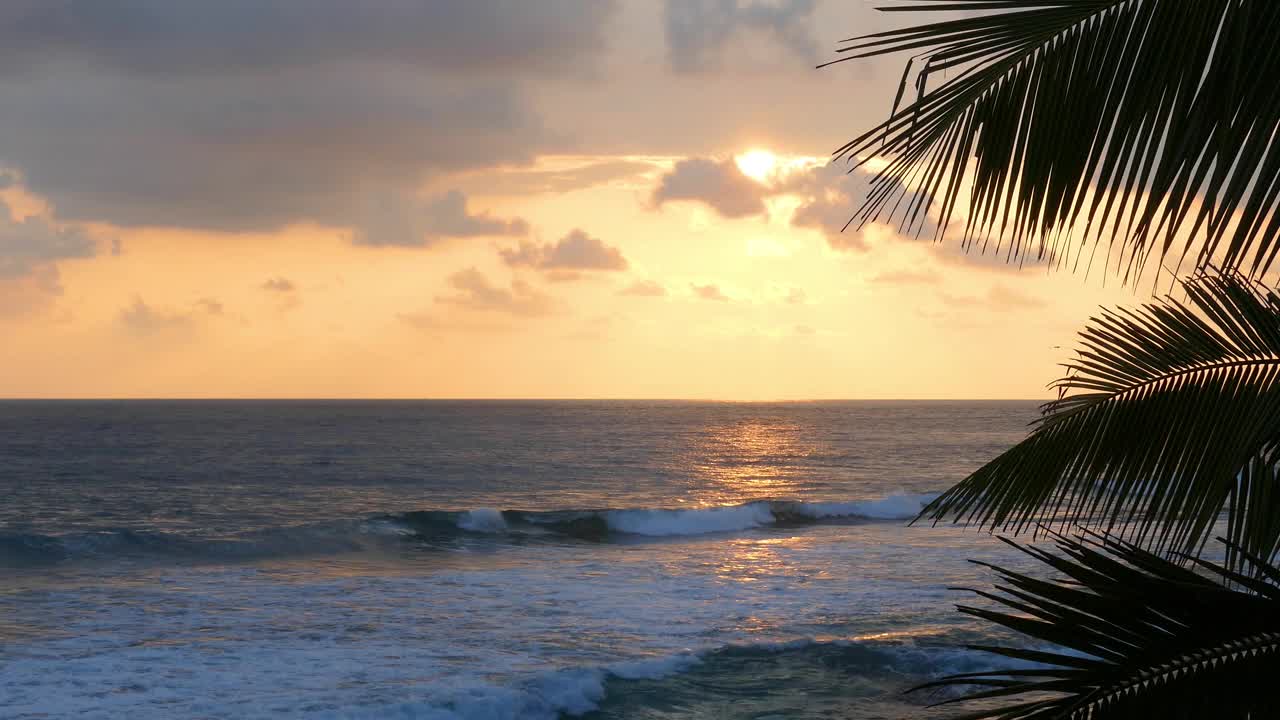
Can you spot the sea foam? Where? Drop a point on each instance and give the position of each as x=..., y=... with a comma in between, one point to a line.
x=690, y=522
x=485, y=520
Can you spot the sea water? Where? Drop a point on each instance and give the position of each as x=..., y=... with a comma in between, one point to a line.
x=487, y=560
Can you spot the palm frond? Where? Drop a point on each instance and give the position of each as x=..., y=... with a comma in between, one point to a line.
x=1139, y=636
x=1169, y=416
x=1150, y=125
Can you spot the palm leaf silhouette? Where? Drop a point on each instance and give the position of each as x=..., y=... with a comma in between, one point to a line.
x=1140, y=636
x=1170, y=415
x=1147, y=126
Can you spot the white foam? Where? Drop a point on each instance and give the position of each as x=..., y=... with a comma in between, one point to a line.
x=892, y=507
x=690, y=522
x=486, y=520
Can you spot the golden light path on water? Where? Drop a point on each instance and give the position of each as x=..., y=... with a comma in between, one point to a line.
x=747, y=460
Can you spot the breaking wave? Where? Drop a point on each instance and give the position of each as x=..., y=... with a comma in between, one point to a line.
x=393, y=530
x=661, y=522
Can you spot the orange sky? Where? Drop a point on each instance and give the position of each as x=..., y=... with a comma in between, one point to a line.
x=659, y=223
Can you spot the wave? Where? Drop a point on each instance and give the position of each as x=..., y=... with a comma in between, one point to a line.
x=804, y=679
x=663, y=522
x=436, y=526
x=736, y=674
x=35, y=549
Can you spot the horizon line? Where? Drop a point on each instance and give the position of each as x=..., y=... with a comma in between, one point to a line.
x=494, y=399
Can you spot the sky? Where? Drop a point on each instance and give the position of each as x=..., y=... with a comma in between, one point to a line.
x=481, y=199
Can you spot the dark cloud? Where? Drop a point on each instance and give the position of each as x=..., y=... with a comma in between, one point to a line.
x=396, y=220
x=709, y=292
x=163, y=37
x=248, y=116
x=447, y=216
x=475, y=292
x=644, y=288
x=575, y=251
x=34, y=242
x=253, y=152
x=699, y=30
x=278, y=284
x=718, y=184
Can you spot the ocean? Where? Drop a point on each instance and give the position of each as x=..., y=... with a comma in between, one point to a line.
x=477, y=560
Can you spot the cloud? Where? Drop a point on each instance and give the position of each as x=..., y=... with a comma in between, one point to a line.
x=35, y=241
x=284, y=290
x=397, y=220
x=709, y=292
x=644, y=288
x=161, y=37
x=144, y=319
x=475, y=292
x=447, y=216
x=698, y=30
x=253, y=153
x=829, y=198
x=278, y=284
x=1005, y=297
x=907, y=277
x=210, y=306
x=27, y=294
x=429, y=321
x=998, y=297
x=532, y=181
x=828, y=195
x=719, y=184
x=30, y=249
x=225, y=116
x=575, y=251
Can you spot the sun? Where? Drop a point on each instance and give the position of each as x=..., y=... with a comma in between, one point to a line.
x=757, y=164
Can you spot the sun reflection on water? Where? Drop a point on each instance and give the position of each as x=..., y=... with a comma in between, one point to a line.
x=748, y=560
x=755, y=459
